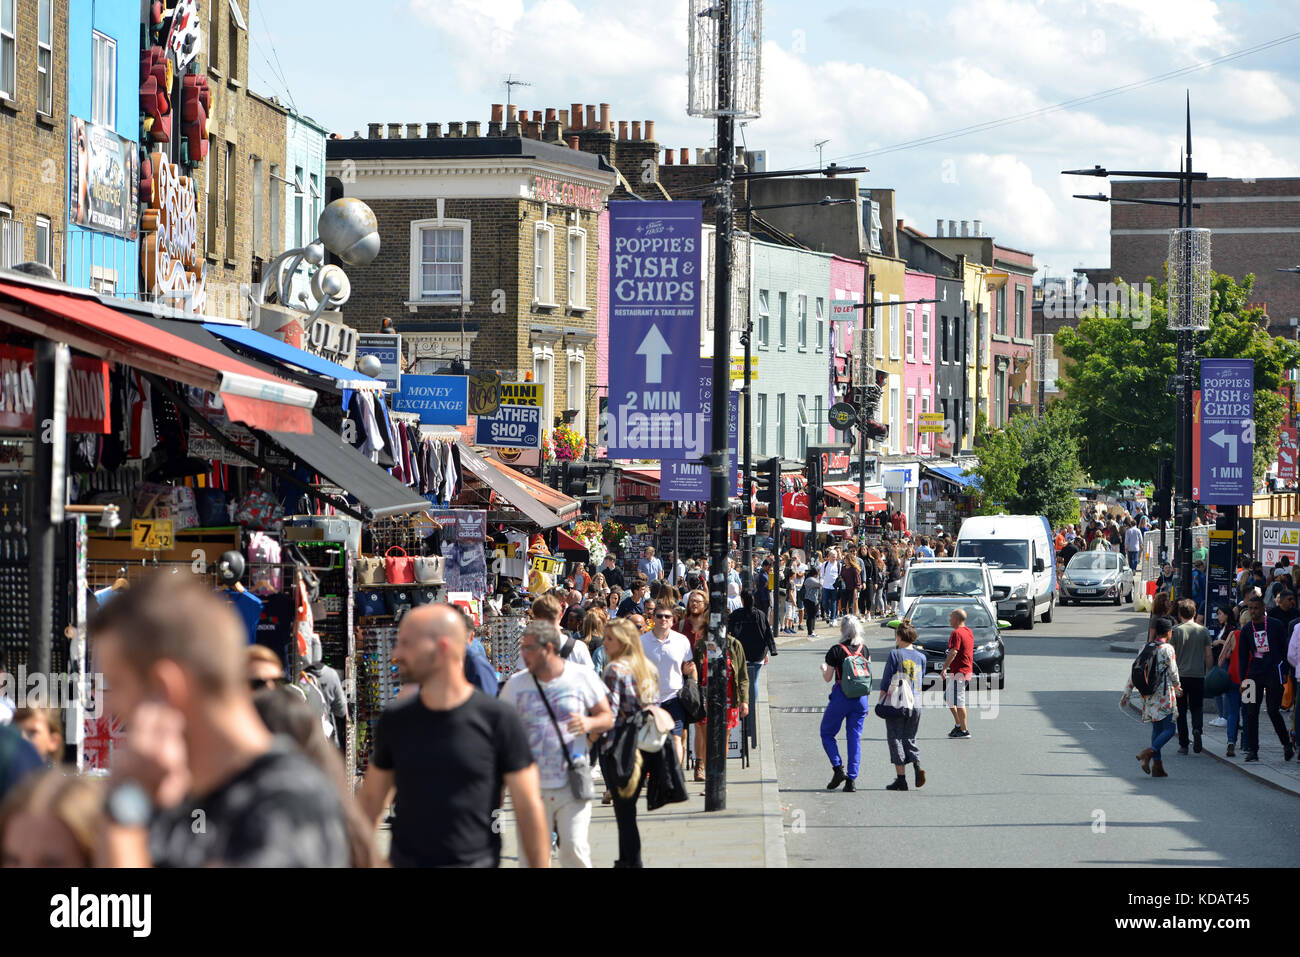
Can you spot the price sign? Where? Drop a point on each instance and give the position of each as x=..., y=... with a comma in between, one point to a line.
x=547, y=565
x=152, y=535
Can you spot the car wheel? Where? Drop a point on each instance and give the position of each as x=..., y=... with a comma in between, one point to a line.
x=1028, y=621
x=1116, y=601
x=1002, y=677
x=1047, y=615
x=1129, y=599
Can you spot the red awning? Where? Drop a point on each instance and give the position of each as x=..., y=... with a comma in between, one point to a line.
x=250, y=396
x=849, y=493
x=564, y=542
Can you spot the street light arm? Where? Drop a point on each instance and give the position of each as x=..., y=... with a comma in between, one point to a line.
x=901, y=302
x=1103, y=198
x=831, y=170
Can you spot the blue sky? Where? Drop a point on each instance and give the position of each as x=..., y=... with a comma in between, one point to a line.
x=862, y=75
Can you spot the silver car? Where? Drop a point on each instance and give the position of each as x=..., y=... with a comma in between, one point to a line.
x=1097, y=576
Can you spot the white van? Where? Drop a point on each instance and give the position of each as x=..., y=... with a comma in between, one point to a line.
x=1019, y=553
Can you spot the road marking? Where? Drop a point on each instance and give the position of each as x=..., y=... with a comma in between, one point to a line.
x=1088, y=726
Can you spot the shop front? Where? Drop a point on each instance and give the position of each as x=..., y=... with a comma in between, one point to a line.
x=945, y=497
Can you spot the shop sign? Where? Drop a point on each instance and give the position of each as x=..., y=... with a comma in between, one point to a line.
x=437, y=399
x=332, y=340
x=152, y=535
x=87, y=392
x=835, y=461
x=561, y=193
x=173, y=265
x=186, y=37
x=517, y=424
x=387, y=348
x=103, y=172
x=464, y=525
x=484, y=393
x=1226, y=437
x=547, y=565
x=1278, y=539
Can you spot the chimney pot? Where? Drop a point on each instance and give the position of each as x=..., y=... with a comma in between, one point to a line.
x=412, y=131
x=650, y=130
x=433, y=131
x=938, y=227
x=573, y=141
x=952, y=228
x=551, y=116
x=978, y=228
x=564, y=119
x=376, y=130
x=740, y=155
x=537, y=116
x=512, y=112
x=636, y=129
x=473, y=128
x=575, y=114
x=686, y=156
x=604, y=119
x=552, y=131
x=965, y=227
x=622, y=129
x=701, y=156
x=394, y=131
x=668, y=156
x=591, y=116
x=453, y=129
x=498, y=111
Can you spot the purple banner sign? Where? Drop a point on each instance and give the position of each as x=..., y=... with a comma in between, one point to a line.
x=688, y=481
x=654, y=321
x=1227, y=475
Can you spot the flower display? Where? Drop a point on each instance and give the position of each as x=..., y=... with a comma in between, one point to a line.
x=563, y=444
x=590, y=534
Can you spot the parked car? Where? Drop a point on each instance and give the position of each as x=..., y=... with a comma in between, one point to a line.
x=1097, y=576
x=929, y=616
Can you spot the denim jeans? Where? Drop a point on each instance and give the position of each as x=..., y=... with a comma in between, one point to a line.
x=1191, y=701
x=1230, y=709
x=1161, y=732
x=1268, y=693
x=829, y=601
x=1133, y=560
x=852, y=714
x=751, y=723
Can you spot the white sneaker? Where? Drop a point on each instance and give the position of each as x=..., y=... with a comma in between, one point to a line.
x=1218, y=722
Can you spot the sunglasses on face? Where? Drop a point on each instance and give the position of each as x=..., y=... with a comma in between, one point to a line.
x=666, y=614
x=257, y=684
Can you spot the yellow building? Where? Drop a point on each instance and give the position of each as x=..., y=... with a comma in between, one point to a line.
x=889, y=272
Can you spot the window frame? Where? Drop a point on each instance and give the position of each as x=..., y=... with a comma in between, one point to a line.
x=1020, y=312
x=895, y=327
x=416, y=289
x=801, y=319
x=801, y=425
x=895, y=415
x=878, y=320
x=545, y=354
x=576, y=357
x=927, y=356
x=48, y=223
x=910, y=421
x=782, y=312
x=45, y=49
x=820, y=316
x=819, y=416
x=909, y=335
x=258, y=192
x=231, y=178
x=577, y=274
x=299, y=207
x=104, y=57
x=9, y=42
x=943, y=351
x=780, y=424
x=1001, y=325
x=764, y=318
x=760, y=423
x=544, y=271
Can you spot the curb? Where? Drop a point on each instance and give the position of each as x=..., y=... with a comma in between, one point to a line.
x=774, y=853
x=1264, y=775
x=1127, y=647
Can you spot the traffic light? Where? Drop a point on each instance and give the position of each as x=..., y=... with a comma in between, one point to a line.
x=816, y=501
x=767, y=478
x=1163, y=507
x=575, y=480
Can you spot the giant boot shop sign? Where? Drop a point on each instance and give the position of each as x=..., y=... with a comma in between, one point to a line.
x=173, y=265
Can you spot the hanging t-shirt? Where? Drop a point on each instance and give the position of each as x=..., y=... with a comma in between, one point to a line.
x=249, y=607
x=275, y=628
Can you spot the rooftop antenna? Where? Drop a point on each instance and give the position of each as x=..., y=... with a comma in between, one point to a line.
x=511, y=82
x=818, y=147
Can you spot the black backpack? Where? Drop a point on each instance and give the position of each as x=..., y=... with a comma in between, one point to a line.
x=1146, y=669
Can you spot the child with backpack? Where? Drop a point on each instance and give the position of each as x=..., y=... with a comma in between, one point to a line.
x=848, y=664
x=1154, y=676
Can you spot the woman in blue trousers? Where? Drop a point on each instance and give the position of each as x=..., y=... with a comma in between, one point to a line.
x=843, y=710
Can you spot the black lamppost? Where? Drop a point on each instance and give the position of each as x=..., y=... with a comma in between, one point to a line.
x=746, y=338
x=1185, y=508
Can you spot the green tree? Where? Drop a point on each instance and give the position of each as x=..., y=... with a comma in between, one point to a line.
x=1120, y=362
x=1031, y=467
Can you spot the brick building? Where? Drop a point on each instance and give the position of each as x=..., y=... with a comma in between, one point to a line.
x=490, y=244
x=33, y=132
x=1256, y=229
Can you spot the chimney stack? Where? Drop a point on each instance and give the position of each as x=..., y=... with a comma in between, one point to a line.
x=412, y=131
x=650, y=130
x=575, y=114
x=622, y=129
x=433, y=131
x=965, y=227
x=978, y=228
x=686, y=156
x=552, y=132
x=512, y=113
x=376, y=130
x=453, y=130
x=394, y=131
x=701, y=156
x=938, y=228
x=564, y=119
x=668, y=156
x=591, y=116
x=573, y=142
x=473, y=127
x=604, y=119
x=952, y=227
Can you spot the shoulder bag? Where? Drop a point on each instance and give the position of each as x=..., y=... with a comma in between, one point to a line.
x=399, y=568
x=580, y=785
x=430, y=569
x=656, y=725
x=370, y=570
x=692, y=701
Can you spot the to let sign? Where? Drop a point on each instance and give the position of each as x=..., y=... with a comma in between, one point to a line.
x=1227, y=432
x=844, y=310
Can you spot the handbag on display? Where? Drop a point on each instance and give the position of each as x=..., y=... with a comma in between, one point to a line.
x=422, y=595
x=371, y=603
x=260, y=509
x=370, y=570
x=398, y=600
x=655, y=728
x=430, y=569
x=399, y=569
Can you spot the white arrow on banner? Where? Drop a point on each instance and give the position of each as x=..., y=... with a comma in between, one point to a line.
x=654, y=348
x=1224, y=440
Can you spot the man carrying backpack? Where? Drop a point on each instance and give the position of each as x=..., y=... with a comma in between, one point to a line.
x=1154, y=676
x=1261, y=651
x=848, y=665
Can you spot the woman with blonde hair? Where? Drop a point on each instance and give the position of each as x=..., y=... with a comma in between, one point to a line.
x=633, y=684
x=593, y=636
x=51, y=819
x=695, y=625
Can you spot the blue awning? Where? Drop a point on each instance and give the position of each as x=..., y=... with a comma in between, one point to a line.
x=272, y=348
x=953, y=474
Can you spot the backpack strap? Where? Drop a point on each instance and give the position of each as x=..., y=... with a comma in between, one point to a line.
x=567, y=649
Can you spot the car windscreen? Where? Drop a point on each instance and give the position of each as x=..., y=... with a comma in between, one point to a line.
x=934, y=614
x=1094, y=562
x=997, y=553
x=937, y=580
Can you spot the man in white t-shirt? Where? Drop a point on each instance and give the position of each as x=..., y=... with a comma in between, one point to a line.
x=670, y=652
x=830, y=574
x=572, y=648
x=575, y=705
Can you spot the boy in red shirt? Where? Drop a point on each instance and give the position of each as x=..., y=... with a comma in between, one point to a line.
x=957, y=669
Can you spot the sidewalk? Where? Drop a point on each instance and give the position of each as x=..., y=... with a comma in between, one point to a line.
x=1271, y=769
x=748, y=834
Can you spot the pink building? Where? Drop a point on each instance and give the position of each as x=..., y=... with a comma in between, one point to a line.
x=846, y=283
x=918, y=361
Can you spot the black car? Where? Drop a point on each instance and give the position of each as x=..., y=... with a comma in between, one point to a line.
x=929, y=616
